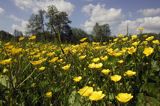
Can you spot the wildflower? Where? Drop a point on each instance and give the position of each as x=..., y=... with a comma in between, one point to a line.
x=93, y=65
x=38, y=62
x=85, y=91
x=125, y=39
x=66, y=67
x=120, y=35
x=118, y=54
x=32, y=37
x=21, y=38
x=115, y=40
x=106, y=71
x=77, y=79
x=155, y=42
x=53, y=60
x=150, y=38
x=129, y=73
x=148, y=51
x=5, y=70
x=41, y=68
x=83, y=39
x=96, y=95
x=6, y=61
x=15, y=51
x=145, y=42
x=116, y=78
x=48, y=94
x=104, y=58
x=124, y=97
x=135, y=43
x=134, y=37
x=60, y=60
x=131, y=50
x=120, y=61
x=82, y=57
x=95, y=60
x=50, y=54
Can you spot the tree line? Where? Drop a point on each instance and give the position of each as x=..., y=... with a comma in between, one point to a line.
x=52, y=24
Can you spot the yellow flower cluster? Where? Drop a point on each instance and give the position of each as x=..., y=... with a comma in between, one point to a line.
x=95, y=65
x=93, y=95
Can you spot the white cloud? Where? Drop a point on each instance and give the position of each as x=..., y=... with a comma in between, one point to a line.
x=150, y=12
x=150, y=24
x=35, y=5
x=1, y=10
x=15, y=18
x=21, y=26
x=98, y=13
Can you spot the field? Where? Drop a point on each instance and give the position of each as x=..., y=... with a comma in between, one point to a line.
x=123, y=71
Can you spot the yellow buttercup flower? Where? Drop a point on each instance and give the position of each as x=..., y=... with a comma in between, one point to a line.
x=135, y=43
x=120, y=35
x=125, y=39
x=118, y=54
x=38, y=62
x=115, y=40
x=150, y=38
x=5, y=70
x=15, y=51
x=50, y=54
x=77, y=79
x=66, y=67
x=85, y=91
x=120, y=61
x=131, y=50
x=134, y=37
x=96, y=60
x=32, y=37
x=53, y=60
x=41, y=68
x=124, y=97
x=106, y=71
x=21, y=38
x=48, y=94
x=96, y=95
x=82, y=57
x=148, y=51
x=93, y=65
x=6, y=61
x=155, y=42
x=104, y=58
x=116, y=78
x=129, y=73
x=83, y=39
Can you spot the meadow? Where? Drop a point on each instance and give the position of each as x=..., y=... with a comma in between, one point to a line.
x=122, y=72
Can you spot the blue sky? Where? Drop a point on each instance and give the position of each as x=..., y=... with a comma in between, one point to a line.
x=85, y=13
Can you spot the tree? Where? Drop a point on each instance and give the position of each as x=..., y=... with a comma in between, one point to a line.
x=78, y=33
x=42, y=20
x=101, y=31
x=17, y=33
x=36, y=23
x=56, y=20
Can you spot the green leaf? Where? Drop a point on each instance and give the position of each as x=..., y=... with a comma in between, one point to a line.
x=155, y=66
x=75, y=99
x=4, y=80
x=151, y=89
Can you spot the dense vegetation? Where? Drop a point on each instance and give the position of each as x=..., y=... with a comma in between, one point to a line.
x=123, y=71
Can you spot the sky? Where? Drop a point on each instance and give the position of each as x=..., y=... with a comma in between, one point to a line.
x=14, y=14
